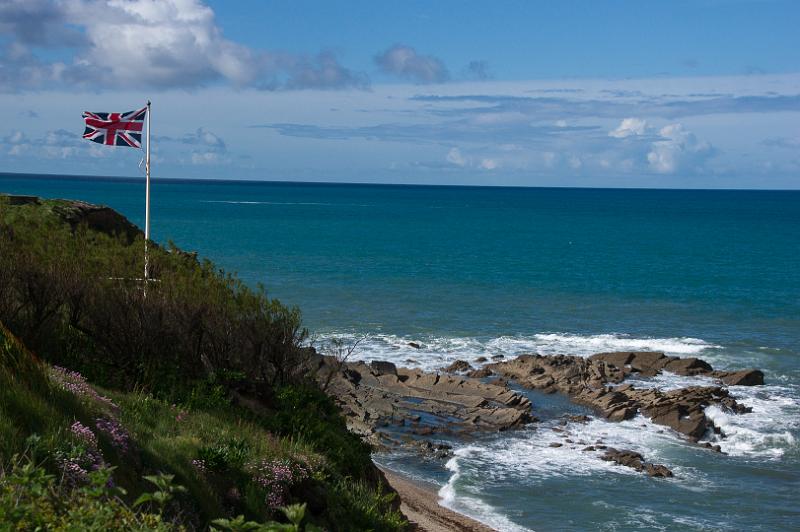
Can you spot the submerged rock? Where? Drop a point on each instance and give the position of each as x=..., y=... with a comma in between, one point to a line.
x=635, y=461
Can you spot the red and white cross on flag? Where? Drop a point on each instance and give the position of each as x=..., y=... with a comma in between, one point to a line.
x=124, y=129
x=115, y=129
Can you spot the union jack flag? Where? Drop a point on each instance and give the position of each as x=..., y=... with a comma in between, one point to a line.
x=115, y=129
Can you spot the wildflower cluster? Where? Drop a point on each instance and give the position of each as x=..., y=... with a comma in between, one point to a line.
x=277, y=477
x=76, y=463
x=200, y=465
x=74, y=382
x=84, y=433
x=115, y=432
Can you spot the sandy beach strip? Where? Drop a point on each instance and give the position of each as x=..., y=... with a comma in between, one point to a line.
x=420, y=504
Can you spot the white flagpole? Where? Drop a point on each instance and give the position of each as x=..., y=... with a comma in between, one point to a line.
x=147, y=197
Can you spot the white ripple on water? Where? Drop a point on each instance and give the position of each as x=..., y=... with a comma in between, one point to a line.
x=439, y=351
x=472, y=506
x=764, y=433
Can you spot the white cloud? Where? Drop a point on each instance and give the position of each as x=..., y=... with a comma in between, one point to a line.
x=208, y=157
x=679, y=149
x=404, y=61
x=489, y=164
x=455, y=157
x=575, y=162
x=629, y=127
x=136, y=43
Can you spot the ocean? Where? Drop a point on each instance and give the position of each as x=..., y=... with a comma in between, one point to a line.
x=473, y=271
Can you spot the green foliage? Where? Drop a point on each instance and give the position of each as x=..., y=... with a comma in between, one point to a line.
x=71, y=294
x=171, y=363
x=164, y=494
x=305, y=412
x=31, y=499
x=229, y=454
x=295, y=513
x=362, y=507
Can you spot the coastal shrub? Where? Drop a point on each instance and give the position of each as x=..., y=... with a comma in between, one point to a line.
x=33, y=499
x=71, y=294
x=179, y=365
x=305, y=412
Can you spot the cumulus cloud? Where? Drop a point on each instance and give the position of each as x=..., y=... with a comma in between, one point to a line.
x=53, y=144
x=455, y=157
x=38, y=23
x=629, y=127
x=135, y=43
x=678, y=149
x=204, y=137
x=404, y=61
x=489, y=164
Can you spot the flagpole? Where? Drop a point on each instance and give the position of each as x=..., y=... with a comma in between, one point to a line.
x=147, y=197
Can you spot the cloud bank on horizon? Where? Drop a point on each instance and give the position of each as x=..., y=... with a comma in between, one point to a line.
x=236, y=105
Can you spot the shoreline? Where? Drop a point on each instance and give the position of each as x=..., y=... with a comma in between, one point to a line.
x=420, y=504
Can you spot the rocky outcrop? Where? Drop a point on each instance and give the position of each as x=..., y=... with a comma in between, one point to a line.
x=597, y=382
x=649, y=364
x=459, y=366
x=380, y=399
x=635, y=461
x=75, y=213
x=97, y=217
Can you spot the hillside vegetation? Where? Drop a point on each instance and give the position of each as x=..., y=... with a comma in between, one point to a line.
x=186, y=404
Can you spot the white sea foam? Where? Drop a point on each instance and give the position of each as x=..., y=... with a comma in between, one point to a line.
x=529, y=458
x=438, y=351
x=768, y=430
x=470, y=504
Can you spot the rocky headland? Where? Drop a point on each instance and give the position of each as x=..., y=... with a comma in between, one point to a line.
x=400, y=407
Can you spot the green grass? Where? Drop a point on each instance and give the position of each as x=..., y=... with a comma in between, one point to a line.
x=305, y=432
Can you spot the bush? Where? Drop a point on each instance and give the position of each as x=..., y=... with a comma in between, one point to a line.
x=305, y=412
x=71, y=295
x=32, y=499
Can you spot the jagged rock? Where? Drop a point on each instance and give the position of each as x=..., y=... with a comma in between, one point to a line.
x=745, y=377
x=657, y=470
x=589, y=448
x=21, y=200
x=481, y=360
x=480, y=373
x=383, y=368
x=626, y=458
x=97, y=217
x=586, y=382
x=458, y=366
x=578, y=418
x=635, y=461
x=374, y=396
x=688, y=366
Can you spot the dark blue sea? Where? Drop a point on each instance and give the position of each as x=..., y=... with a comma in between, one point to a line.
x=471, y=271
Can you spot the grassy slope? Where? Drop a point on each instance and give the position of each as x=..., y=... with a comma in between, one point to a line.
x=225, y=455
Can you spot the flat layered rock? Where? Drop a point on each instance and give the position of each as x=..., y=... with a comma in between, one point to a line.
x=597, y=382
x=380, y=396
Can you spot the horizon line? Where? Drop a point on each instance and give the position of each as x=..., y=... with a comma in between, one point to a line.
x=87, y=177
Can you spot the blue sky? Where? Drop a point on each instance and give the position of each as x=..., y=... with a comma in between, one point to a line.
x=638, y=93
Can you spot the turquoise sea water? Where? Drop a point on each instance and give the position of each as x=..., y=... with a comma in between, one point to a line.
x=469, y=271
